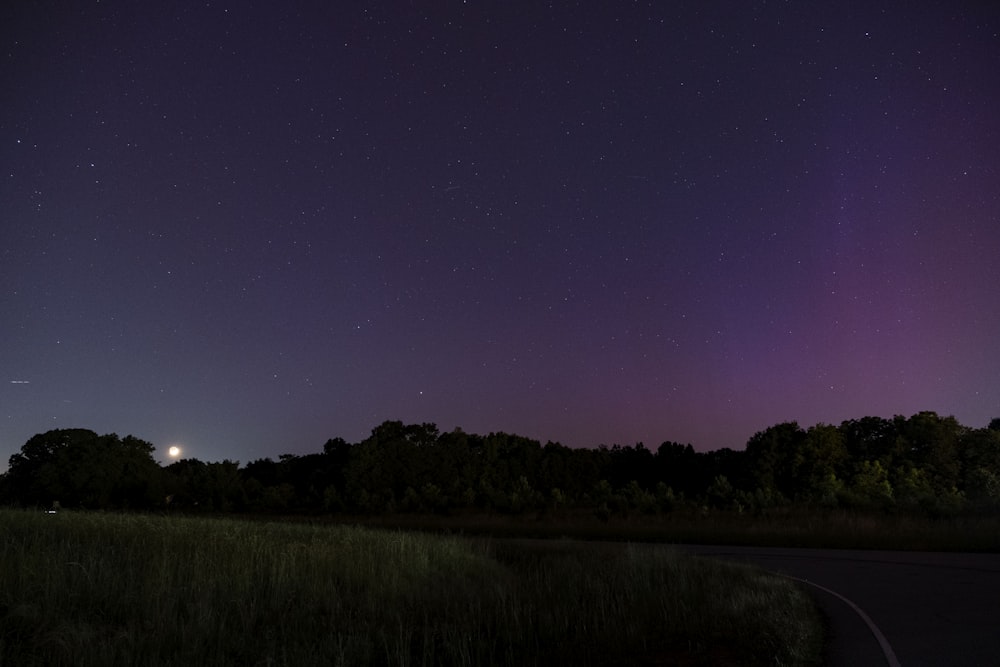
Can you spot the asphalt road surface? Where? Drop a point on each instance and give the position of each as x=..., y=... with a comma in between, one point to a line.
x=894, y=607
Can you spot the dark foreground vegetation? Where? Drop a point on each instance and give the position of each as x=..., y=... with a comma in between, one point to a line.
x=924, y=465
x=164, y=586
x=81, y=588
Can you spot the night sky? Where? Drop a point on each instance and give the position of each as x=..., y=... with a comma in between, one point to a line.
x=246, y=228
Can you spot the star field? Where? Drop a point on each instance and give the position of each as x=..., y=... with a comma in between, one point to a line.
x=248, y=229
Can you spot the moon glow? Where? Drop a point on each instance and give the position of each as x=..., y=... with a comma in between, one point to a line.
x=174, y=452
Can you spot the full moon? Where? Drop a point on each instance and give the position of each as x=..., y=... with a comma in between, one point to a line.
x=174, y=452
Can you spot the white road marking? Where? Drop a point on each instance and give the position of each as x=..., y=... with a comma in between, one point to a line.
x=890, y=655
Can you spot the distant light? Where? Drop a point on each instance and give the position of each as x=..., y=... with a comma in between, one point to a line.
x=174, y=452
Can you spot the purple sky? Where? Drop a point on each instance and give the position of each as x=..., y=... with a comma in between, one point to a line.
x=246, y=230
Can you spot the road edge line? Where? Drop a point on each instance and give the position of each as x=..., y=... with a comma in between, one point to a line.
x=890, y=655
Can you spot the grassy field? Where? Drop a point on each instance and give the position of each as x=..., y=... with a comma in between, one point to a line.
x=783, y=527
x=111, y=589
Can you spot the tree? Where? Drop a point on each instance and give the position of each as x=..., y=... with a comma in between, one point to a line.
x=823, y=465
x=28, y=478
x=930, y=443
x=775, y=458
x=217, y=487
x=869, y=439
x=674, y=464
x=980, y=454
x=78, y=468
x=392, y=459
x=870, y=487
x=720, y=493
x=983, y=489
x=631, y=463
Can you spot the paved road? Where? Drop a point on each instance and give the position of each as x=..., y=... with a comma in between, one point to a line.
x=931, y=608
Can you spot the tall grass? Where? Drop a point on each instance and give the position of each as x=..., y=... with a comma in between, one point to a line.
x=779, y=527
x=104, y=589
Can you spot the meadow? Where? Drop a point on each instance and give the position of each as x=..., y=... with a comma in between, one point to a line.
x=780, y=527
x=85, y=589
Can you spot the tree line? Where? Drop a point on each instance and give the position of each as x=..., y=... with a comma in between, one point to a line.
x=924, y=463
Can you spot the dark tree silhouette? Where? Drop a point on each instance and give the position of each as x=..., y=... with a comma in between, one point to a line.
x=776, y=457
x=78, y=468
x=924, y=463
